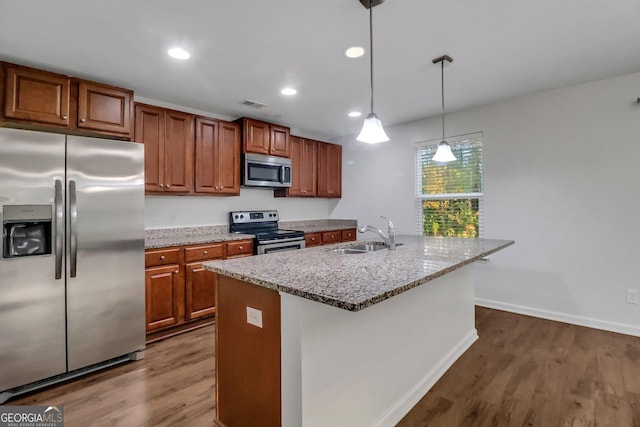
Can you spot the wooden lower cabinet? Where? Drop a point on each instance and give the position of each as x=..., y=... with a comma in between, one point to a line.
x=312, y=239
x=349, y=235
x=200, y=286
x=180, y=293
x=329, y=237
x=163, y=294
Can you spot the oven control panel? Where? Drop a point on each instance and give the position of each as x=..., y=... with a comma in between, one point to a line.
x=252, y=217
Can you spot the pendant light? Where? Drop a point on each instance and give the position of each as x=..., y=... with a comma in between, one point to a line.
x=372, y=131
x=443, y=153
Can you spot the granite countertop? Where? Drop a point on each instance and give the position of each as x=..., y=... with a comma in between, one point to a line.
x=319, y=225
x=181, y=236
x=167, y=237
x=354, y=282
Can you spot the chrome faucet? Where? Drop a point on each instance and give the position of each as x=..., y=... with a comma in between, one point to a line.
x=389, y=238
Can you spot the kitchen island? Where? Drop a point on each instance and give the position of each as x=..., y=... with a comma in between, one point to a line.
x=318, y=337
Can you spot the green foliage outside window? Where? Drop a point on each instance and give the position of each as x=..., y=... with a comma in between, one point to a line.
x=451, y=217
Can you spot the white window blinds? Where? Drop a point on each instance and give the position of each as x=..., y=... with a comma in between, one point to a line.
x=449, y=195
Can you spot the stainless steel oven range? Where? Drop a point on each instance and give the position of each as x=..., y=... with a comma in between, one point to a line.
x=264, y=226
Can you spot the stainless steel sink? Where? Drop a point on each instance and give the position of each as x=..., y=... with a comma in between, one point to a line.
x=363, y=249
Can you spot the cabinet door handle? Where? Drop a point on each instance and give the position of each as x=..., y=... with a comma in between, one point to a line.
x=83, y=120
x=162, y=257
x=65, y=117
x=175, y=272
x=241, y=248
x=205, y=252
x=161, y=185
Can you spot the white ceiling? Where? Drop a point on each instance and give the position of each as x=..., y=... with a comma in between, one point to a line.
x=253, y=48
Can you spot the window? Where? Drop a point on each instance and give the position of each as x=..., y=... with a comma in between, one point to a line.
x=449, y=195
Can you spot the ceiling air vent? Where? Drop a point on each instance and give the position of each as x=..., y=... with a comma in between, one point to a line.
x=254, y=104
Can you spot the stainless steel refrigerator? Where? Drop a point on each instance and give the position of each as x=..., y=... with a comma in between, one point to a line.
x=72, y=263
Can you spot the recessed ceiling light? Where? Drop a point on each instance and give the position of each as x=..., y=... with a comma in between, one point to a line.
x=354, y=52
x=178, y=53
x=288, y=91
x=355, y=114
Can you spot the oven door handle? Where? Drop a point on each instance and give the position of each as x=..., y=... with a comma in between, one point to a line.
x=292, y=239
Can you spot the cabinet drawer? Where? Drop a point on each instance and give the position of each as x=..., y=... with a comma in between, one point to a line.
x=349, y=235
x=195, y=253
x=161, y=257
x=239, y=248
x=313, y=239
x=331, y=237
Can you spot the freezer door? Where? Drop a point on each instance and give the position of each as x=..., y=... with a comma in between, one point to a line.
x=105, y=250
x=32, y=300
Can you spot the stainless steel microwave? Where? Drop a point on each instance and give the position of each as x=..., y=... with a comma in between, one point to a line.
x=266, y=171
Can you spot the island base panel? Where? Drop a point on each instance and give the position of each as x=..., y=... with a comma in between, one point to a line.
x=247, y=356
x=369, y=368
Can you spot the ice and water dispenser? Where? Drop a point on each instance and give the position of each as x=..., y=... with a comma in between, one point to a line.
x=26, y=230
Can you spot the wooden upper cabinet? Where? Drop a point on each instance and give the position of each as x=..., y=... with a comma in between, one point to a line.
x=51, y=101
x=229, y=158
x=104, y=108
x=329, y=170
x=168, y=141
x=309, y=167
x=257, y=136
x=304, y=168
x=37, y=96
x=279, y=139
x=264, y=138
x=149, y=130
x=178, y=149
x=217, y=158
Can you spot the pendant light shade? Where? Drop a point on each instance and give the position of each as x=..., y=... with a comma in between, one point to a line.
x=443, y=153
x=372, y=131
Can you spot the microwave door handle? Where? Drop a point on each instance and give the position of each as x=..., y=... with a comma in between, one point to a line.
x=59, y=228
x=282, y=170
x=73, y=229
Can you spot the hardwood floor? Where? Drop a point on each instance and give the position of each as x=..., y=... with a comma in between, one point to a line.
x=525, y=371
x=172, y=386
x=522, y=371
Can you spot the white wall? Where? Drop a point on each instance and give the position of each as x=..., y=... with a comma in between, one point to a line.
x=190, y=211
x=561, y=179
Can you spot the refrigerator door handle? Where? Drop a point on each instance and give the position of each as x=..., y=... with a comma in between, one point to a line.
x=73, y=229
x=59, y=226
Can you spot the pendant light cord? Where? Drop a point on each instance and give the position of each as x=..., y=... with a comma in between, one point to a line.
x=442, y=86
x=371, y=49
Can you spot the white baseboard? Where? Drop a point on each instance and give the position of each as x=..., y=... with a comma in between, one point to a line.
x=400, y=408
x=621, y=328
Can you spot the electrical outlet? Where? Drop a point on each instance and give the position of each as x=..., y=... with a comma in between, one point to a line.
x=254, y=317
x=633, y=296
